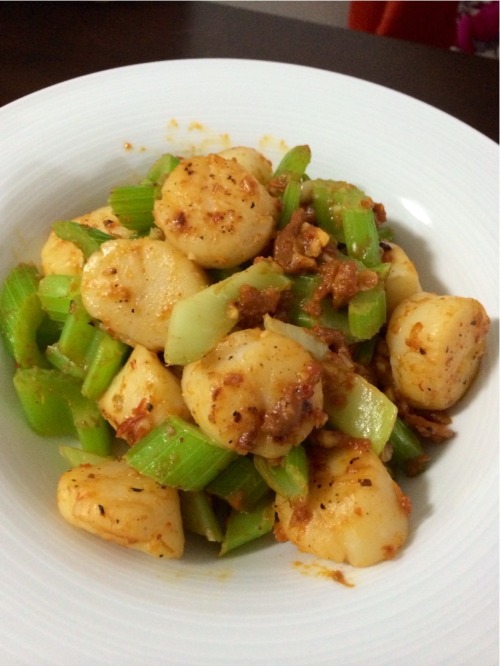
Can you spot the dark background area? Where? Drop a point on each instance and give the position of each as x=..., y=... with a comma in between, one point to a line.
x=44, y=43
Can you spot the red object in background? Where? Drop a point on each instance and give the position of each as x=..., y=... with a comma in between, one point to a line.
x=432, y=23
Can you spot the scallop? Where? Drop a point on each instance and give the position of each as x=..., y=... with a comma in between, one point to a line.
x=251, y=160
x=354, y=512
x=61, y=257
x=216, y=212
x=256, y=391
x=132, y=285
x=436, y=343
x=115, y=502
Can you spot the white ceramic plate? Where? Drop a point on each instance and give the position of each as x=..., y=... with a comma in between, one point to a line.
x=66, y=597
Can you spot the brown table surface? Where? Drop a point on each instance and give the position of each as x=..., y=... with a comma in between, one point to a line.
x=47, y=42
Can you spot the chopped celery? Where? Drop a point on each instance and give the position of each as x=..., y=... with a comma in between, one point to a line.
x=198, y=515
x=133, y=206
x=48, y=332
x=407, y=451
x=21, y=315
x=77, y=457
x=361, y=235
x=105, y=357
x=56, y=294
x=240, y=485
x=178, y=454
x=364, y=350
x=290, y=202
x=244, y=527
x=77, y=334
x=53, y=405
x=289, y=476
x=160, y=170
x=359, y=409
x=43, y=396
x=312, y=344
x=61, y=362
x=86, y=238
x=294, y=163
x=198, y=322
x=367, y=312
x=303, y=287
x=331, y=198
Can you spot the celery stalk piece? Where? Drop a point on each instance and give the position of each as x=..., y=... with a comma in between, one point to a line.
x=407, y=451
x=56, y=294
x=76, y=457
x=61, y=362
x=159, y=171
x=178, y=454
x=48, y=332
x=359, y=409
x=240, y=485
x=288, y=477
x=53, y=405
x=361, y=235
x=105, y=357
x=290, y=202
x=367, y=312
x=21, y=315
x=198, y=322
x=364, y=350
x=312, y=344
x=294, y=163
x=93, y=431
x=43, y=397
x=133, y=206
x=303, y=287
x=77, y=334
x=244, y=527
x=86, y=238
x=331, y=198
x=198, y=515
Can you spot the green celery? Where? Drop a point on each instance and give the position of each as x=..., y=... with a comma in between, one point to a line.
x=77, y=334
x=198, y=515
x=364, y=350
x=310, y=342
x=56, y=294
x=407, y=451
x=294, y=163
x=43, y=397
x=359, y=409
x=367, y=312
x=48, y=332
x=105, y=357
x=21, y=315
x=240, y=485
x=303, y=287
x=76, y=457
x=176, y=453
x=361, y=235
x=288, y=476
x=87, y=239
x=331, y=198
x=133, y=206
x=290, y=202
x=244, y=527
x=53, y=405
x=198, y=322
x=159, y=171
x=61, y=362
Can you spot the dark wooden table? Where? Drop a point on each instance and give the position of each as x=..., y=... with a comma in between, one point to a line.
x=44, y=43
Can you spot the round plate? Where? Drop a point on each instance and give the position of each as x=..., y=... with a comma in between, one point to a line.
x=67, y=597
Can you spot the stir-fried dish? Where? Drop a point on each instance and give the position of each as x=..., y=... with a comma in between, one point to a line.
x=234, y=350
